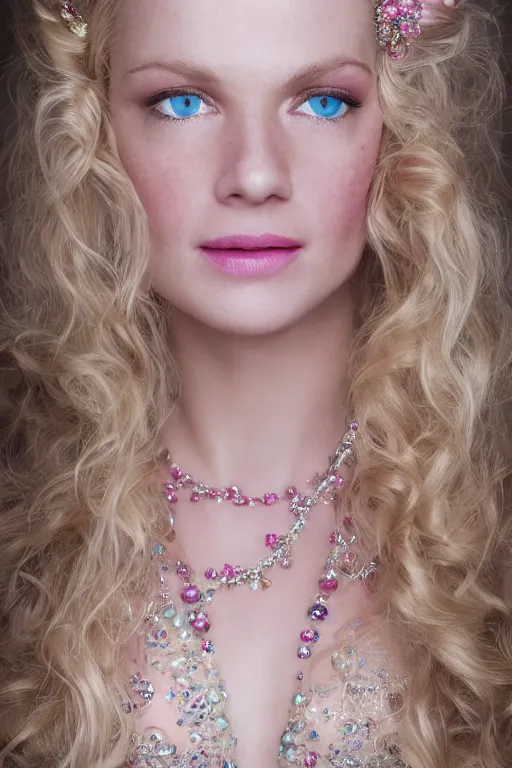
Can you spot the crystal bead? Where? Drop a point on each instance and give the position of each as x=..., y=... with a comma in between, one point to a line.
x=318, y=612
x=329, y=585
x=228, y=572
x=201, y=623
x=304, y=652
x=168, y=611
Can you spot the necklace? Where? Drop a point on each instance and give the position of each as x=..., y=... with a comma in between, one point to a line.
x=280, y=546
x=232, y=493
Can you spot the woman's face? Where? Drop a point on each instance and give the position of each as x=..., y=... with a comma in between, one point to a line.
x=224, y=131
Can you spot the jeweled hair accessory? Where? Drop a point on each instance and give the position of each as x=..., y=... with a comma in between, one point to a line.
x=75, y=21
x=398, y=22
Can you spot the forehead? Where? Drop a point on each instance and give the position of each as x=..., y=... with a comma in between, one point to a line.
x=243, y=35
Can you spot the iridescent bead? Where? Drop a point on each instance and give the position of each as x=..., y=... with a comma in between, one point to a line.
x=168, y=611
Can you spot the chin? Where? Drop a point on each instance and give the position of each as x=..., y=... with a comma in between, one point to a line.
x=244, y=321
x=257, y=313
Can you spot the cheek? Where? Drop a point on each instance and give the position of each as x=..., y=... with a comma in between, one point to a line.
x=163, y=188
x=349, y=192
x=345, y=202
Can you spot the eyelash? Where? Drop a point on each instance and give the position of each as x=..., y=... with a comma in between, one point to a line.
x=158, y=98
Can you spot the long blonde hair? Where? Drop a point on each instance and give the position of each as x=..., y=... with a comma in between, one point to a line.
x=88, y=380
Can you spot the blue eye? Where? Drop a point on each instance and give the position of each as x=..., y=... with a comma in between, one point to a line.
x=180, y=107
x=330, y=107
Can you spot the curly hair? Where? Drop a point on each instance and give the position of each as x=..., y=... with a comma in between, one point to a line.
x=88, y=380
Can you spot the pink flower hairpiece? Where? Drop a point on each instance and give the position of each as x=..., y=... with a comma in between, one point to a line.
x=398, y=22
x=75, y=21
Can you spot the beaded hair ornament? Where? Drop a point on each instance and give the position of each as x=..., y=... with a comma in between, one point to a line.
x=397, y=22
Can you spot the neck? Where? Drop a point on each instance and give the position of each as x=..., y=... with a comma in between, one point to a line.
x=261, y=411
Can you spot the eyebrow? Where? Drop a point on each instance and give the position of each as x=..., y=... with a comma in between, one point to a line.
x=207, y=75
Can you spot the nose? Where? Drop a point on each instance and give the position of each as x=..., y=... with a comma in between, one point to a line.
x=254, y=153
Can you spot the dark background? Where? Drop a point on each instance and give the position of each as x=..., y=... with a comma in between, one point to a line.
x=504, y=11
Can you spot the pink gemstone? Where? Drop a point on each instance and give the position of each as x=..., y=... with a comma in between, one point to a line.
x=349, y=557
x=405, y=28
x=270, y=498
x=228, y=571
x=194, y=497
x=213, y=493
x=339, y=481
x=311, y=759
x=329, y=585
x=201, y=623
x=238, y=570
x=231, y=493
x=307, y=635
x=271, y=540
x=347, y=521
x=354, y=426
x=332, y=538
x=291, y=492
x=191, y=594
x=176, y=472
x=391, y=12
x=172, y=498
x=245, y=500
x=183, y=572
x=210, y=573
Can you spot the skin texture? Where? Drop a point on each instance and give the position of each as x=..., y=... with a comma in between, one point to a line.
x=262, y=359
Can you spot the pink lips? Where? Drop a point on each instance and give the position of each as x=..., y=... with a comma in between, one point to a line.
x=251, y=255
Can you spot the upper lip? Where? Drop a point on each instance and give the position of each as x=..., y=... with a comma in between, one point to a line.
x=248, y=242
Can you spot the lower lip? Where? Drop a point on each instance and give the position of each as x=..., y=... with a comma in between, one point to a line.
x=253, y=263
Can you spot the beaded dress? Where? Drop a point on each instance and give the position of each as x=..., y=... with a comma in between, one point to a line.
x=341, y=715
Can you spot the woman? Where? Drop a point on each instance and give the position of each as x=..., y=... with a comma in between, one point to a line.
x=243, y=237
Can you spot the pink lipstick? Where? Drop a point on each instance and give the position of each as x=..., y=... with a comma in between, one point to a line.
x=251, y=255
